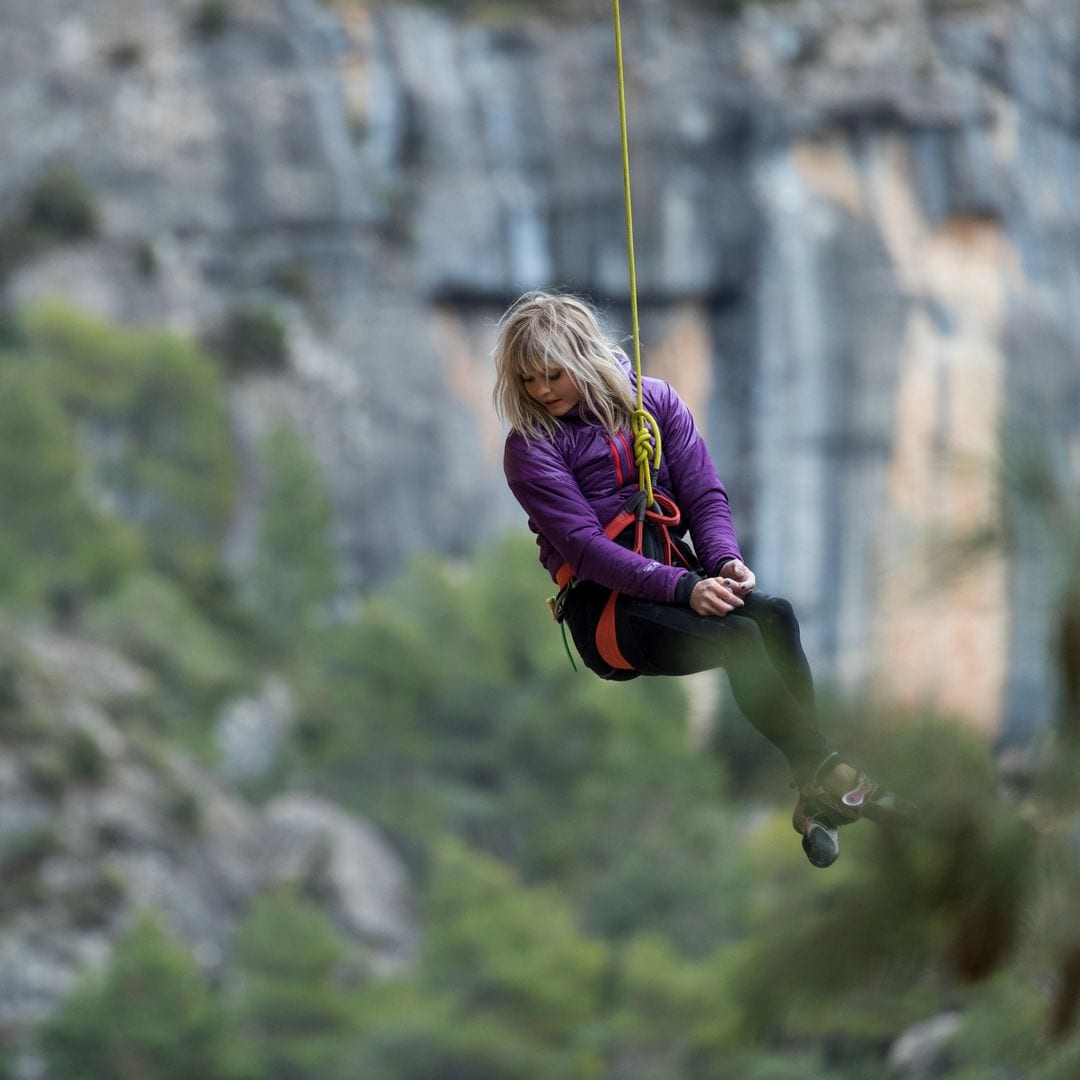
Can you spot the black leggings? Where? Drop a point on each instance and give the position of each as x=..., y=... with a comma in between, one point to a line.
x=758, y=645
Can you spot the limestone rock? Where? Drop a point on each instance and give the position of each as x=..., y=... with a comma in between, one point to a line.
x=865, y=210
x=352, y=870
x=251, y=732
x=98, y=823
x=922, y=1052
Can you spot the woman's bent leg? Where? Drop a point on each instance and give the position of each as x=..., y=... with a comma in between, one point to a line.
x=779, y=628
x=662, y=639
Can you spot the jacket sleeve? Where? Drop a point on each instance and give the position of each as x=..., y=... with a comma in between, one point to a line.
x=695, y=484
x=549, y=494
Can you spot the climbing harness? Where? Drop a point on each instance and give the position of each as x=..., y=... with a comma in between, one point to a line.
x=662, y=517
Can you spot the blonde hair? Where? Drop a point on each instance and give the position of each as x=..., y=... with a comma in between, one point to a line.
x=543, y=330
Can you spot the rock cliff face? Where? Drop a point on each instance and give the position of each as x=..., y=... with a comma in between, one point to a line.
x=857, y=232
x=98, y=822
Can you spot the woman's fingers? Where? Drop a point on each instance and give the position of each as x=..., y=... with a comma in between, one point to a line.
x=713, y=606
x=741, y=588
x=715, y=596
x=740, y=576
x=727, y=591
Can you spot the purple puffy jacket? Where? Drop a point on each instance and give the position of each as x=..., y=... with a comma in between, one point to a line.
x=572, y=485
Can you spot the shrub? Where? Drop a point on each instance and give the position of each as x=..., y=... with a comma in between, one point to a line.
x=17, y=246
x=60, y=206
x=47, y=772
x=24, y=853
x=85, y=759
x=124, y=54
x=154, y=622
x=145, y=260
x=183, y=808
x=149, y=1015
x=10, y=697
x=50, y=538
x=94, y=903
x=12, y=331
x=154, y=446
x=251, y=339
x=211, y=18
x=293, y=576
x=292, y=279
x=291, y=996
x=508, y=988
x=512, y=952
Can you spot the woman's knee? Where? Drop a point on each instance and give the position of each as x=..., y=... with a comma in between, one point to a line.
x=742, y=637
x=782, y=611
x=782, y=608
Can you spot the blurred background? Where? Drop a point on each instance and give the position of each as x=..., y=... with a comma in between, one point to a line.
x=295, y=778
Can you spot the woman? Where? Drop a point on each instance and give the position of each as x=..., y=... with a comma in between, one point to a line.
x=568, y=392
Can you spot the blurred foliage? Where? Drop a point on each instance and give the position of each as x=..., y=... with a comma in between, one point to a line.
x=151, y=1014
x=211, y=18
x=117, y=475
x=153, y=621
x=448, y=702
x=145, y=260
x=124, y=54
x=292, y=579
x=250, y=339
x=600, y=897
x=52, y=537
x=147, y=413
x=57, y=208
x=507, y=986
x=289, y=996
x=293, y=279
x=59, y=205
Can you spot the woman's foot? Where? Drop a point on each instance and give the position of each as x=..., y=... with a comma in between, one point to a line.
x=820, y=837
x=850, y=795
x=834, y=794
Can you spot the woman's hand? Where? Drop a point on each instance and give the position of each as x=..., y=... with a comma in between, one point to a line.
x=715, y=596
x=741, y=577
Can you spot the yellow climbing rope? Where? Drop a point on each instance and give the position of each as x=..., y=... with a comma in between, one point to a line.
x=643, y=424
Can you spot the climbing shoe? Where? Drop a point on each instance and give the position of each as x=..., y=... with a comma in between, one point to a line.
x=820, y=836
x=858, y=797
x=827, y=802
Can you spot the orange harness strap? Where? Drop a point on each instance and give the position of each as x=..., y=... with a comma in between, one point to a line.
x=607, y=642
x=666, y=514
x=624, y=517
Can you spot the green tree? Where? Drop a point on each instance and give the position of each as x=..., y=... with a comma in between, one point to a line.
x=291, y=993
x=153, y=436
x=57, y=208
x=669, y=1018
x=251, y=339
x=507, y=988
x=50, y=537
x=149, y=1016
x=448, y=703
x=60, y=206
x=154, y=621
x=293, y=576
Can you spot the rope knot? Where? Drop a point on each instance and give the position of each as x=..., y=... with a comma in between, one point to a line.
x=647, y=448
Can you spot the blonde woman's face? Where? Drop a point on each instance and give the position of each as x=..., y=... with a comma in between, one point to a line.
x=554, y=390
